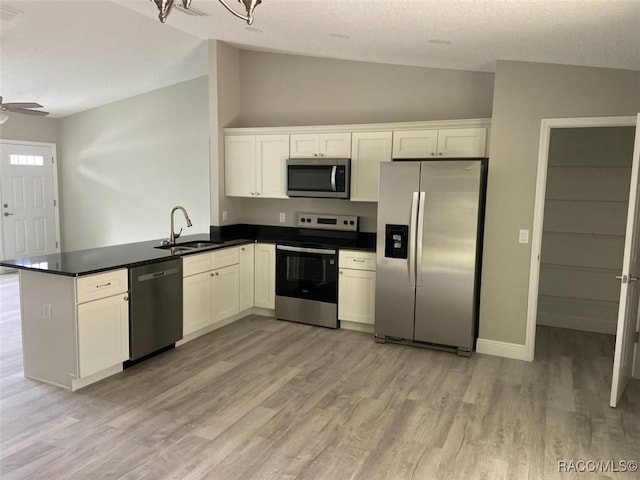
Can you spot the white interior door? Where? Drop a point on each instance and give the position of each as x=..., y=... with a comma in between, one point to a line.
x=28, y=191
x=630, y=290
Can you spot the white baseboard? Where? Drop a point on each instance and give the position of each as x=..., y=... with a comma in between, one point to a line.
x=501, y=349
x=358, y=327
x=265, y=312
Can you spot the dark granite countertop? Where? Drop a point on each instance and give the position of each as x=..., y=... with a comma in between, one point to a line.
x=95, y=260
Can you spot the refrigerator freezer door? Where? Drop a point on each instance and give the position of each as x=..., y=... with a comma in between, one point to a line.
x=395, y=277
x=445, y=292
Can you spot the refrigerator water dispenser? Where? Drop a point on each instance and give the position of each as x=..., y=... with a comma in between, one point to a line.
x=396, y=241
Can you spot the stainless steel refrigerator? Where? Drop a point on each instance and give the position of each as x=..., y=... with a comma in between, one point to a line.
x=429, y=247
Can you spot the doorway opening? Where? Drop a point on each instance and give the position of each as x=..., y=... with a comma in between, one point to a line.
x=579, y=234
x=30, y=223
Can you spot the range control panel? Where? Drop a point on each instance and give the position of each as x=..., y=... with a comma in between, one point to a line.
x=328, y=222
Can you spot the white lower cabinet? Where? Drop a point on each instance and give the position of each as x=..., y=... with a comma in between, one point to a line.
x=356, y=288
x=102, y=318
x=103, y=334
x=246, y=276
x=211, y=286
x=225, y=292
x=196, y=302
x=265, y=276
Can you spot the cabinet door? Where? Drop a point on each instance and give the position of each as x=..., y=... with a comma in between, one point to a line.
x=196, y=302
x=225, y=294
x=304, y=145
x=368, y=150
x=336, y=145
x=415, y=143
x=462, y=142
x=103, y=334
x=265, y=276
x=246, y=276
x=272, y=152
x=356, y=296
x=239, y=165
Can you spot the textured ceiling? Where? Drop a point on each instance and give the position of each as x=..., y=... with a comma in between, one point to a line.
x=74, y=55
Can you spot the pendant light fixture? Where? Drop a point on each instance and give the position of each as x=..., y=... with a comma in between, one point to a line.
x=165, y=6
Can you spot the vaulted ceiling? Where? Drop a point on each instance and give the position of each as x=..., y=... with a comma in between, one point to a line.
x=74, y=55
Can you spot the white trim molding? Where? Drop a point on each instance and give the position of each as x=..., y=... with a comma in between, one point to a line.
x=501, y=349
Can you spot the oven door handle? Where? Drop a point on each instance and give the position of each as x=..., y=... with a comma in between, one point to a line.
x=334, y=169
x=306, y=250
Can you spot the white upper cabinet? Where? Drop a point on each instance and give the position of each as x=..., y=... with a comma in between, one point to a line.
x=443, y=143
x=272, y=152
x=368, y=150
x=415, y=144
x=332, y=145
x=240, y=165
x=256, y=165
x=462, y=142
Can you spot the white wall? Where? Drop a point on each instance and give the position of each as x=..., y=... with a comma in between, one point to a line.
x=524, y=94
x=30, y=128
x=257, y=89
x=125, y=165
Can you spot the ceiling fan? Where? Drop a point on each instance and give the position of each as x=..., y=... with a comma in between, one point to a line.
x=20, y=107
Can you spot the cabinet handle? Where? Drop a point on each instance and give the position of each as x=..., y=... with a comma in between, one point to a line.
x=359, y=260
x=103, y=285
x=433, y=154
x=126, y=298
x=212, y=274
x=340, y=272
x=217, y=274
x=322, y=154
x=440, y=153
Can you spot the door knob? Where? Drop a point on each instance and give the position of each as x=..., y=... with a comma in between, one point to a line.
x=7, y=214
x=627, y=278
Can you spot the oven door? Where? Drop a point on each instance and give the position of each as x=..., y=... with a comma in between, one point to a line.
x=307, y=273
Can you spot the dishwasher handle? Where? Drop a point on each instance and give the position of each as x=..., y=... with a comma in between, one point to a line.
x=159, y=274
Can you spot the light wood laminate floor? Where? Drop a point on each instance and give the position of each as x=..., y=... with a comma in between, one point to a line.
x=266, y=399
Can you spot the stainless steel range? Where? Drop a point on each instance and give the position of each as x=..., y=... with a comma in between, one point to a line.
x=307, y=269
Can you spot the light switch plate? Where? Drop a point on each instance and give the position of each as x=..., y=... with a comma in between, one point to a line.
x=283, y=217
x=523, y=237
x=224, y=216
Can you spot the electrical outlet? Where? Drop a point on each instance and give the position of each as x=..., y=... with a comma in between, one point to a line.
x=523, y=237
x=283, y=217
x=46, y=311
x=225, y=216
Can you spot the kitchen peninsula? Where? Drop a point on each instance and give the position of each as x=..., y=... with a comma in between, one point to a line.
x=75, y=306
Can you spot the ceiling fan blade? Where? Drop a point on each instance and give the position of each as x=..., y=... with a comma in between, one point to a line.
x=28, y=112
x=22, y=105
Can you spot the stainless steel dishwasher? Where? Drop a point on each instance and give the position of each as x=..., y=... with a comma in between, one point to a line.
x=155, y=307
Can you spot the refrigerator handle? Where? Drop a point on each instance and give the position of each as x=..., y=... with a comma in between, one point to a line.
x=411, y=261
x=419, y=241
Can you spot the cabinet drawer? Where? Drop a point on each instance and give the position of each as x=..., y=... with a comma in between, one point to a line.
x=357, y=260
x=193, y=264
x=226, y=257
x=102, y=285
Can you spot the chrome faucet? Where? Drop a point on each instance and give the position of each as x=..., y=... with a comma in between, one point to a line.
x=174, y=236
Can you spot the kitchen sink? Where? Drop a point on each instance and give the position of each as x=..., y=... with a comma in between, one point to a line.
x=189, y=246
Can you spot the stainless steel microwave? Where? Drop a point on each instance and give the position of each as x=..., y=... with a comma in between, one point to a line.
x=319, y=177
